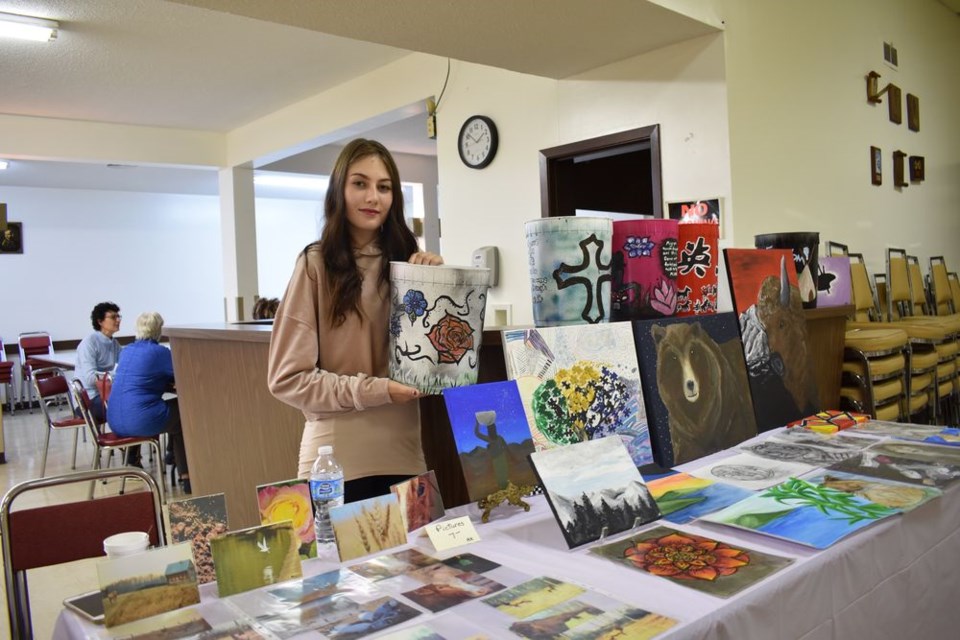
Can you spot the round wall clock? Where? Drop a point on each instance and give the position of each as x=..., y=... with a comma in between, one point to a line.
x=477, y=142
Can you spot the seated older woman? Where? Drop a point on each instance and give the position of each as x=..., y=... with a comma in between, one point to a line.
x=136, y=406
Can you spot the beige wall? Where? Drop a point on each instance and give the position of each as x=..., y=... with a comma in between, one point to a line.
x=801, y=128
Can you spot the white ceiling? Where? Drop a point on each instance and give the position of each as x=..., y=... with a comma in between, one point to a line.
x=215, y=65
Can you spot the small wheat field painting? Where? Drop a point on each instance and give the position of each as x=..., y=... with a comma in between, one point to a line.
x=148, y=583
x=290, y=500
x=682, y=497
x=701, y=563
x=578, y=383
x=493, y=438
x=197, y=521
x=594, y=489
x=801, y=512
x=773, y=329
x=695, y=386
x=254, y=557
x=368, y=526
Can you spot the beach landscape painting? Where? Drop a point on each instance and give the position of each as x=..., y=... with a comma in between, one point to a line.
x=683, y=497
x=802, y=512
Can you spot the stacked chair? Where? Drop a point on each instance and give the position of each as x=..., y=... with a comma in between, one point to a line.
x=932, y=342
x=6, y=378
x=875, y=372
x=32, y=343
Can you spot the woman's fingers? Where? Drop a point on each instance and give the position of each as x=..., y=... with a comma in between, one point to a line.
x=426, y=257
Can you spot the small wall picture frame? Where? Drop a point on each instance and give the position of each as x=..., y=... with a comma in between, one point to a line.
x=916, y=168
x=898, y=174
x=876, y=166
x=913, y=112
x=11, y=238
x=895, y=102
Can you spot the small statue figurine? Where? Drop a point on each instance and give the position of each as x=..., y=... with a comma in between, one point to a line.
x=512, y=494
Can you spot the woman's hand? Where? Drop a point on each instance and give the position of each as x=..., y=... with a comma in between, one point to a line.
x=401, y=393
x=425, y=257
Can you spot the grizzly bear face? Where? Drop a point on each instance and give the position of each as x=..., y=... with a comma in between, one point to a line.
x=688, y=371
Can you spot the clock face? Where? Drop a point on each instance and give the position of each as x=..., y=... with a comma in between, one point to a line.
x=478, y=141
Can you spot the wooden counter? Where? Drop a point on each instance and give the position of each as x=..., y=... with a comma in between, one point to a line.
x=236, y=433
x=826, y=327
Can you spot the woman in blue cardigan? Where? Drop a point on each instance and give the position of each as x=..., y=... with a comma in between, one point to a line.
x=136, y=406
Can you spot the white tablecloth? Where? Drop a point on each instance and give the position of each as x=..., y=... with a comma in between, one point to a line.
x=897, y=579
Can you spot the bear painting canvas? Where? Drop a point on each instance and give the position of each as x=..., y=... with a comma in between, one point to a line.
x=773, y=329
x=695, y=386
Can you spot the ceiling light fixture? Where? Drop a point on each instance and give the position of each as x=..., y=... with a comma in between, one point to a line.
x=4, y=164
x=27, y=28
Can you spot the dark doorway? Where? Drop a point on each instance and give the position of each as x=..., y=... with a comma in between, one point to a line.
x=619, y=172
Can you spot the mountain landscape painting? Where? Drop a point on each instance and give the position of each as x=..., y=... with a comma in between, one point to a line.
x=594, y=489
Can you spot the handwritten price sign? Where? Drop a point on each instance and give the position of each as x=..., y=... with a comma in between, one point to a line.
x=452, y=533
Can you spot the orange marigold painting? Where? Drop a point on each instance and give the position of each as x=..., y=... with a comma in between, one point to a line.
x=687, y=557
x=696, y=562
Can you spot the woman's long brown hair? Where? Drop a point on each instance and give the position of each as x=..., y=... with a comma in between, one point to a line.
x=396, y=240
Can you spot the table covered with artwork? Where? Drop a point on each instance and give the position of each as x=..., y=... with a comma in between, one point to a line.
x=894, y=579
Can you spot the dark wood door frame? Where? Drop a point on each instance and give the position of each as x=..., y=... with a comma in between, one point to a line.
x=550, y=157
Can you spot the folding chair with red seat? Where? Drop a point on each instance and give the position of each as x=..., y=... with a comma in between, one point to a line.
x=6, y=377
x=104, y=440
x=28, y=542
x=52, y=389
x=33, y=343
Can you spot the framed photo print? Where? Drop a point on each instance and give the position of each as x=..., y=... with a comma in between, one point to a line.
x=11, y=238
x=913, y=112
x=895, y=102
x=876, y=166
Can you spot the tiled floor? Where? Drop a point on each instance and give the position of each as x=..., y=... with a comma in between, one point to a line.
x=24, y=434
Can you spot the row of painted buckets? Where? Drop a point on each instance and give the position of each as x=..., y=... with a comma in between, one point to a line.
x=582, y=270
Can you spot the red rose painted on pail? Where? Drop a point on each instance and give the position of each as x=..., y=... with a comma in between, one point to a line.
x=436, y=325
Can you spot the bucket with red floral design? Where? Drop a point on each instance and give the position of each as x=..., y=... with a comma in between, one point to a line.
x=436, y=324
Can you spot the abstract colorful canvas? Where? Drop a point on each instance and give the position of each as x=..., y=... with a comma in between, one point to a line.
x=752, y=472
x=695, y=386
x=146, y=584
x=368, y=526
x=198, y=521
x=773, y=330
x=701, y=563
x=801, y=512
x=290, y=500
x=830, y=421
x=493, y=440
x=254, y=557
x=579, y=383
x=594, y=489
x=420, y=501
x=682, y=497
x=833, y=283
x=887, y=493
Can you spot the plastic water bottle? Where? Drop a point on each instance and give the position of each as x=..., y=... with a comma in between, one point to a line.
x=326, y=490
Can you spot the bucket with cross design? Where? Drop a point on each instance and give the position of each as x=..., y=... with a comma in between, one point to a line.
x=569, y=260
